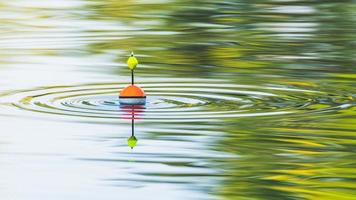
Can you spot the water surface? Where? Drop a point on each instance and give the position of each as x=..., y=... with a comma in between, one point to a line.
x=247, y=100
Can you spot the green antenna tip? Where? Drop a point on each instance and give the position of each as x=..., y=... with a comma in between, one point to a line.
x=132, y=62
x=131, y=142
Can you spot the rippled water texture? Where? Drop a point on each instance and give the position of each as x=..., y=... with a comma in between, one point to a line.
x=247, y=100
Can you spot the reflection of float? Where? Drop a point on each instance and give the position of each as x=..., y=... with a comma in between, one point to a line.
x=133, y=113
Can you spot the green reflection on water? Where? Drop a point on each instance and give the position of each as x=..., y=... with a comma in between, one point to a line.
x=308, y=156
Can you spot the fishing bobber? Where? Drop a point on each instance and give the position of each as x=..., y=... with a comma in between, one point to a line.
x=132, y=94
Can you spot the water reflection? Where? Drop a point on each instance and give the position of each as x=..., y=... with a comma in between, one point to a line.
x=247, y=99
x=132, y=112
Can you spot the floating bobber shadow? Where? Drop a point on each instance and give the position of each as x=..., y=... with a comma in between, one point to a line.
x=132, y=112
x=132, y=140
x=132, y=94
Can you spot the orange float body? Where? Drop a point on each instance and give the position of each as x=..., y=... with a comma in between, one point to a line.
x=132, y=95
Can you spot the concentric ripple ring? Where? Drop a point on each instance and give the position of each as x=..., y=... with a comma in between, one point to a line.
x=166, y=101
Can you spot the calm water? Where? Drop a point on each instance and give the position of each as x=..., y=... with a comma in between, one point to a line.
x=247, y=100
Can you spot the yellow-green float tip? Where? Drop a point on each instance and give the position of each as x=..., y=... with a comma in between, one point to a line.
x=132, y=61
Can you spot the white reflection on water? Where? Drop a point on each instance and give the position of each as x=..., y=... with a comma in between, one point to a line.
x=42, y=159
